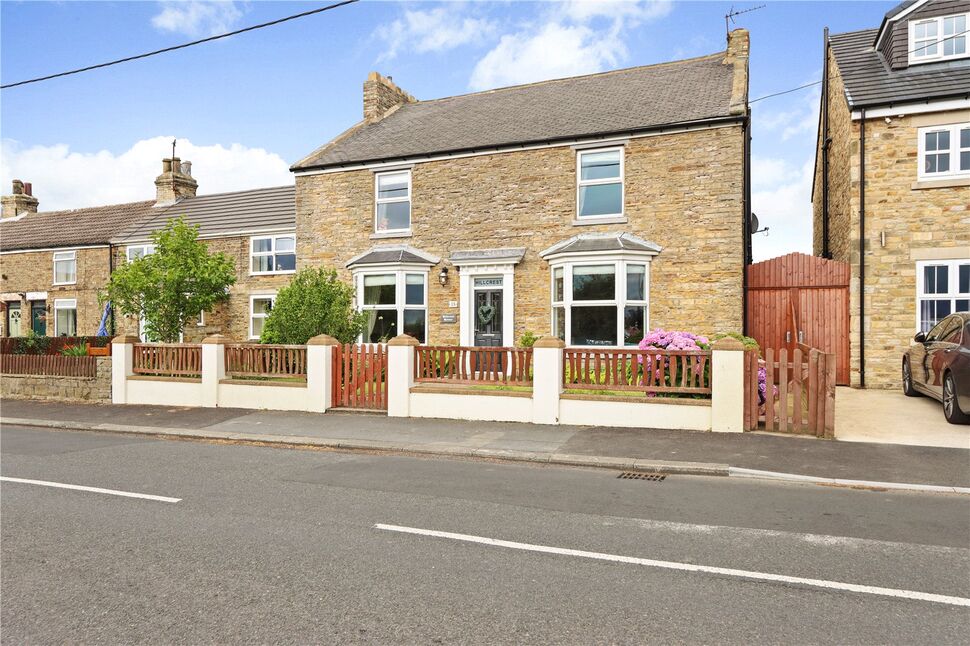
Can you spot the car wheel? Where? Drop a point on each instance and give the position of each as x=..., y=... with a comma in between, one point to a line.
x=908, y=389
x=951, y=409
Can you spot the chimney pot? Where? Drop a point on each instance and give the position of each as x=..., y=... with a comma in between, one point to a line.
x=166, y=166
x=18, y=187
x=19, y=202
x=187, y=168
x=28, y=188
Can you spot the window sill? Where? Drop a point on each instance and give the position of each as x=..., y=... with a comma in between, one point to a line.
x=585, y=222
x=952, y=182
x=272, y=273
x=381, y=235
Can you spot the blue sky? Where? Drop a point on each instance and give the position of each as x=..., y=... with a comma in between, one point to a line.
x=243, y=108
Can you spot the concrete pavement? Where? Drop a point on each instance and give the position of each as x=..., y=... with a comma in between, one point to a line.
x=646, y=449
x=890, y=417
x=273, y=546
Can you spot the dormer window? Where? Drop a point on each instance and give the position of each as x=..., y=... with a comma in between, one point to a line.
x=938, y=39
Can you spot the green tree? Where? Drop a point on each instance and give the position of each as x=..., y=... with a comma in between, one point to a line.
x=315, y=302
x=172, y=285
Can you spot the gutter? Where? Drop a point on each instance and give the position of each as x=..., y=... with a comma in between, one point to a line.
x=862, y=250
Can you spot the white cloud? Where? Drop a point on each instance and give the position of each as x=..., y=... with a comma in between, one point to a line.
x=64, y=179
x=197, y=18
x=579, y=37
x=799, y=119
x=434, y=30
x=783, y=203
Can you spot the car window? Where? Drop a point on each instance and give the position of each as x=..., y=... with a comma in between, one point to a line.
x=966, y=335
x=939, y=329
x=951, y=334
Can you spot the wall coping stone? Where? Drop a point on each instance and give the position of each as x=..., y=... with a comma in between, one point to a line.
x=125, y=339
x=323, y=339
x=403, y=339
x=549, y=342
x=728, y=343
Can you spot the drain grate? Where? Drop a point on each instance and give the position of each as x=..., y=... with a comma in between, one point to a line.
x=636, y=475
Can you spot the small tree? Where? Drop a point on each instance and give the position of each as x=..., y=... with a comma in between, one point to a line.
x=173, y=284
x=315, y=302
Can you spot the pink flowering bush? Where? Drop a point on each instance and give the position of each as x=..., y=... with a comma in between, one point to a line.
x=668, y=340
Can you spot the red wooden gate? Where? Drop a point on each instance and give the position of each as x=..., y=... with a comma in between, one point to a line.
x=801, y=299
x=360, y=376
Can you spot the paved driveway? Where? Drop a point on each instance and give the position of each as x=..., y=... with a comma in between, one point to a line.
x=891, y=417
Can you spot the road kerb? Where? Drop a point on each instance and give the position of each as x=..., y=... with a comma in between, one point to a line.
x=738, y=472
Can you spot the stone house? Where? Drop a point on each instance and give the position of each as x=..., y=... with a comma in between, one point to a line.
x=891, y=193
x=593, y=208
x=54, y=263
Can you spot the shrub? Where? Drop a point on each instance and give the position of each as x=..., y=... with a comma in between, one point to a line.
x=528, y=339
x=79, y=350
x=315, y=302
x=747, y=341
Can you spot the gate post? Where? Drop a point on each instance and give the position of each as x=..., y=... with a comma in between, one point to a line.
x=727, y=386
x=400, y=375
x=213, y=368
x=546, y=379
x=319, y=371
x=122, y=358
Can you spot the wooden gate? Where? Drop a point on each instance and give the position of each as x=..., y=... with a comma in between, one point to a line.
x=360, y=376
x=801, y=299
x=798, y=394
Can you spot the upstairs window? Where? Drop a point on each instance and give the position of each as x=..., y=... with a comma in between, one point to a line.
x=393, y=202
x=272, y=254
x=937, y=39
x=136, y=251
x=944, y=151
x=600, y=183
x=65, y=267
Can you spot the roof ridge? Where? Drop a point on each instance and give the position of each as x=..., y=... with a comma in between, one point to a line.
x=245, y=190
x=91, y=208
x=505, y=88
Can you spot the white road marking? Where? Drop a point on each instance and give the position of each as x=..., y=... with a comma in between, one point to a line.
x=113, y=492
x=687, y=567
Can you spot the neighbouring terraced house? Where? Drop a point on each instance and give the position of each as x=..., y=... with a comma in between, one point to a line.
x=892, y=179
x=592, y=207
x=52, y=264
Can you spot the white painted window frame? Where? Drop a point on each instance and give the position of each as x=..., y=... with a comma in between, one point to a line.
x=252, y=314
x=400, y=272
x=915, y=59
x=146, y=249
x=580, y=182
x=392, y=200
x=66, y=256
x=271, y=253
x=954, y=150
x=65, y=304
x=620, y=301
x=953, y=285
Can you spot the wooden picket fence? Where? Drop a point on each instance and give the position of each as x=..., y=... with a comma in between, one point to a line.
x=49, y=365
x=168, y=359
x=684, y=372
x=473, y=365
x=360, y=376
x=265, y=360
x=799, y=391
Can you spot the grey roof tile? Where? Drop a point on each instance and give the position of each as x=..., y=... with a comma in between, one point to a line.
x=389, y=254
x=71, y=228
x=593, y=242
x=620, y=101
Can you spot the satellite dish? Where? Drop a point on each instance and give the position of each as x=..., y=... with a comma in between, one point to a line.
x=755, y=225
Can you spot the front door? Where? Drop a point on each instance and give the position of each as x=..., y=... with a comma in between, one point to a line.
x=38, y=317
x=488, y=317
x=13, y=319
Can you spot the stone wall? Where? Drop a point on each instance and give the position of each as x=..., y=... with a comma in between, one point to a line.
x=34, y=272
x=683, y=191
x=54, y=388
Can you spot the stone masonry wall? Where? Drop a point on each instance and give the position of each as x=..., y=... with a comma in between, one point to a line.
x=52, y=388
x=682, y=191
x=34, y=272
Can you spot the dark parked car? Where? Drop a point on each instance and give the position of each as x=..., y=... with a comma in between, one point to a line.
x=938, y=365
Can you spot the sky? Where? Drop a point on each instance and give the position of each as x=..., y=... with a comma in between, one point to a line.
x=246, y=107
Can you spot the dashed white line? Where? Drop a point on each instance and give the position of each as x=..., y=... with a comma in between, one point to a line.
x=687, y=567
x=112, y=492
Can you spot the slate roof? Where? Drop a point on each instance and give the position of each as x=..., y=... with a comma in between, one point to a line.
x=71, y=228
x=393, y=254
x=252, y=211
x=592, y=242
x=869, y=81
x=627, y=100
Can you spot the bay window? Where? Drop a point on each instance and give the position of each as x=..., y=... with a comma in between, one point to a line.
x=599, y=191
x=272, y=254
x=395, y=302
x=65, y=317
x=393, y=202
x=942, y=288
x=65, y=267
x=944, y=151
x=600, y=302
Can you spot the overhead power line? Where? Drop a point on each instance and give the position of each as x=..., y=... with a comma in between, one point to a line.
x=802, y=87
x=182, y=46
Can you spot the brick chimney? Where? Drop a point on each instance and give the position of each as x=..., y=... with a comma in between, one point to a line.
x=175, y=182
x=20, y=202
x=738, y=47
x=381, y=96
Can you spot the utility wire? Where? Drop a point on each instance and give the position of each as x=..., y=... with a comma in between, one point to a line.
x=802, y=87
x=182, y=46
